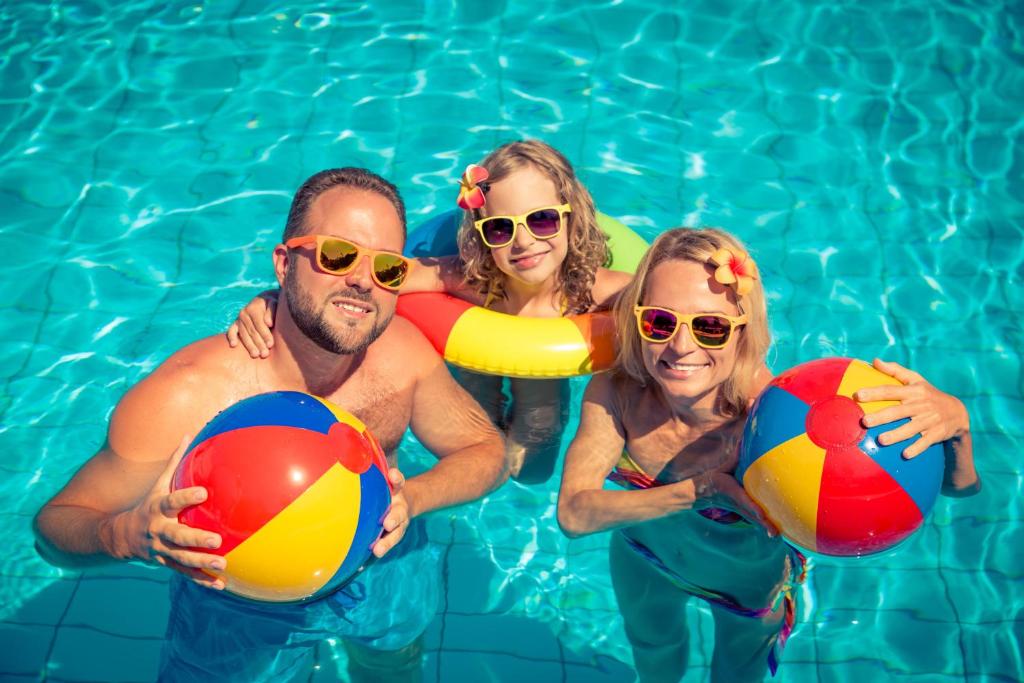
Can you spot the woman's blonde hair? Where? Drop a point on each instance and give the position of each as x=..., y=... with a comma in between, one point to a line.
x=588, y=245
x=697, y=245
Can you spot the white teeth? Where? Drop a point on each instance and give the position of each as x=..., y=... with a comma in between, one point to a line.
x=686, y=367
x=350, y=307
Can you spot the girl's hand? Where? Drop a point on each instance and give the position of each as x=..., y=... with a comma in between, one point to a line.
x=934, y=415
x=253, y=325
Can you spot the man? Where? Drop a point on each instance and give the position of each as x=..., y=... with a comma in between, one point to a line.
x=335, y=338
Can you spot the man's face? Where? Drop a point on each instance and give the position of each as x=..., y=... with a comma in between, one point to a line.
x=344, y=314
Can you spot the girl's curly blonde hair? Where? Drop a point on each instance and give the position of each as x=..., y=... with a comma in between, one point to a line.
x=753, y=338
x=588, y=245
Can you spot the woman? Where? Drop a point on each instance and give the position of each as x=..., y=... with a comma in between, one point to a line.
x=665, y=425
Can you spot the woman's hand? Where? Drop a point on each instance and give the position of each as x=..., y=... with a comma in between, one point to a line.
x=720, y=489
x=934, y=415
x=253, y=325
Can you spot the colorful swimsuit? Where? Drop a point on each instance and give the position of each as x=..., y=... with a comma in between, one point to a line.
x=629, y=475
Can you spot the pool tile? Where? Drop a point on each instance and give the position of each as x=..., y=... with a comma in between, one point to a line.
x=496, y=668
x=993, y=651
x=795, y=672
x=43, y=602
x=119, y=606
x=603, y=670
x=439, y=527
x=83, y=654
x=853, y=591
x=24, y=649
x=473, y=580
x=433, y=633
x=969, y=543
x=511, y=635
x=889, y=641
x=985, y=596
x=878, y=670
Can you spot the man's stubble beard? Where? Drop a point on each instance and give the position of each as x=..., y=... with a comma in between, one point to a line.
x=313, y=323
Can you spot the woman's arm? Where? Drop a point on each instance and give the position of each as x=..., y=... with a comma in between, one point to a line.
x=584, y=507
x=935, y=416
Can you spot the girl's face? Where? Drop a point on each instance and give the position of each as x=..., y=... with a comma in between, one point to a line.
x=686, y=371
x=530, y=260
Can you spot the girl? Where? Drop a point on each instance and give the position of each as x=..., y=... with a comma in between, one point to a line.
x=529, y=245
x=665, y=423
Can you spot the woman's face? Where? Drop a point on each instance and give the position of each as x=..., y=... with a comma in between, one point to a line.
x=527, y=259
x=685, y=370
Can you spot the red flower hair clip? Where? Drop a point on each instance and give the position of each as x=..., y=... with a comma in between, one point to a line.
x=471, y=195
x=736, y=270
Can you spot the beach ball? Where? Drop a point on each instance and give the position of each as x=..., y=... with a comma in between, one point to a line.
x=823, y=478
x=297, y=488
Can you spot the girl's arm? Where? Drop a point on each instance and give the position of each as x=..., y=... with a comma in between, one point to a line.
x=252, y=327
x=434, y=274
x=934, y=415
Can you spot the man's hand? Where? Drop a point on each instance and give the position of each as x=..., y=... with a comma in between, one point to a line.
x=152, y=532
x=396, y=521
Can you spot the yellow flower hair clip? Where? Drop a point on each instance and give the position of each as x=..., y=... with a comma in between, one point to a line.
x=736, y=270
x=471, y=195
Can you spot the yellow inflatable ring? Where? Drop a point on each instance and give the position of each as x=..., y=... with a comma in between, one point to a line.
x=493, y=343
x=478, y=339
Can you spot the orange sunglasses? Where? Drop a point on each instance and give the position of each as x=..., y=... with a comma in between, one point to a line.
x=338, y=257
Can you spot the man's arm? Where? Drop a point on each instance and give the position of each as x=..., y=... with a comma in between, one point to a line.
x=118, y=505
x=470, y=451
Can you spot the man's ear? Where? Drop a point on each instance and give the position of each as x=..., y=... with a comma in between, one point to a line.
x=280, y=263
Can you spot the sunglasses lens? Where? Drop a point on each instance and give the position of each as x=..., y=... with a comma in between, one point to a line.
x=337, y=256
x=544, y=223
x=657, y=325
x=711, y=330
x=390, y=270
x=498, y=231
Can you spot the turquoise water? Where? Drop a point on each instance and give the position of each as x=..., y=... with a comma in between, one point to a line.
x=869, y=153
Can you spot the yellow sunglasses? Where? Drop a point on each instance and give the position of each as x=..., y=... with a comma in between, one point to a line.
x=708, y=330
x=543, y=223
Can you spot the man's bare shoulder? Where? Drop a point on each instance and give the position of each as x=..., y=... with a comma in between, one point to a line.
x=403, y=345
x=203, y=366
x=180, y=396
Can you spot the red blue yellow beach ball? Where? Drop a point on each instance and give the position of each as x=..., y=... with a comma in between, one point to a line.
x=297, y=488
x=820, y=475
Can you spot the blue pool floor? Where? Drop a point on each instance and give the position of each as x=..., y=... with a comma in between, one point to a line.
x=107, y=624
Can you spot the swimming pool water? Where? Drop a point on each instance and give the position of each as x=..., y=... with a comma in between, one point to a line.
x=869, y=153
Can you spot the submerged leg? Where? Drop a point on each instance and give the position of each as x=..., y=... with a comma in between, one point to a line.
x=487, y=390
x=653, y=614
x=743, y=645
x=539, y=410
x=367, y=665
